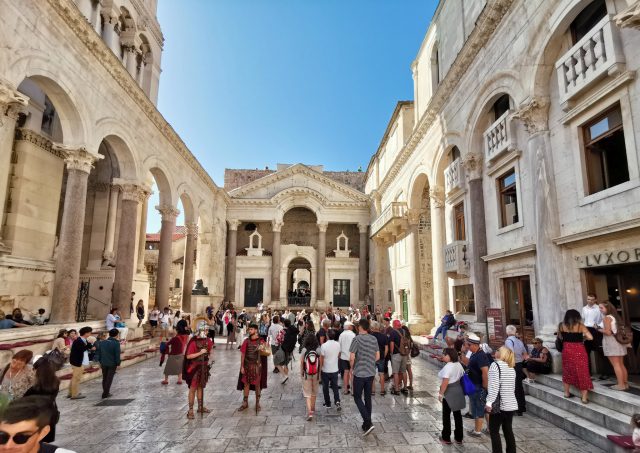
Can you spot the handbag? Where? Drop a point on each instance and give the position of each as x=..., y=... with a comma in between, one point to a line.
x=495, y=407
x=415, y=352
x=468, y=387
x=264, y=350
x=624, y=336
x=56, y=358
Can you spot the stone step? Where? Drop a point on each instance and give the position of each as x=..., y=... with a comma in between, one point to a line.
x=622, y=402
x=591, y=432
x=593, y=412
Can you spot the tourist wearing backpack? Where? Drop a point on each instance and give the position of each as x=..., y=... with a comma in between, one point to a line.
x=310, y=373
x=400, y=347
x=364, y=355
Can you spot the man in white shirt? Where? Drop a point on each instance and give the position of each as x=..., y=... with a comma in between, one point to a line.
x=329, y=355
x=592, y=319
x=272, y=333
x=153, y=320
x=345, y=339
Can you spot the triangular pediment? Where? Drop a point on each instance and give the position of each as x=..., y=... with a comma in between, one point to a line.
x=298, y=178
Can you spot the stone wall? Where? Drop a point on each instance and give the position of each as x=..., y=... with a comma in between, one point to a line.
x=238, y=177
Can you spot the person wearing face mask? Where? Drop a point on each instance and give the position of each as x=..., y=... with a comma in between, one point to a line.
x=196, y=368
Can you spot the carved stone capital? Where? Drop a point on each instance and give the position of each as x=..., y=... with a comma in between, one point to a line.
x=534, y=115
x=363, y=228
x=436, y=193
x=413, y=216
x=276, y=226
x=472, y=163
x=322, y=226
x=168, y=212
x=132, y=190
x=77, y=158
x=12, y=102
x=191, y=228
x=233, y=224
x=630, y=17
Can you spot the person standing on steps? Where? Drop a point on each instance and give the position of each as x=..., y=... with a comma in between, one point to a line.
x=592, y=319
x=109, y=360
x=365, y=352
x=253, y=367
x=79, y=358
x=575, y=367
x=196, y=368
x=612, y=349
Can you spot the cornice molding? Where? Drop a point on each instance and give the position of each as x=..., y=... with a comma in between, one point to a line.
x=486, y=24
x=74, y=19
x=297, y=169
x=38, y=140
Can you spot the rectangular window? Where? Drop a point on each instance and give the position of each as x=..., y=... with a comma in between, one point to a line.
x=508, y=198
x=458, y=216
x=390, y=295
x=605, y=152
x=463, y=295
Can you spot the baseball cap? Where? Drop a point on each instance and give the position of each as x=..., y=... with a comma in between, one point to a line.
x=397, y=323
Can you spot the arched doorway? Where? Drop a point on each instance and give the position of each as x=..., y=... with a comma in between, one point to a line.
x=299, y=282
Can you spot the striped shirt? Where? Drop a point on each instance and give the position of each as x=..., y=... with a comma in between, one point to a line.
x=505, y=381
x=365, y=347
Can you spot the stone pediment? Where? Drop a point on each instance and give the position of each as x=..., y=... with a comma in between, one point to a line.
x=298, y=179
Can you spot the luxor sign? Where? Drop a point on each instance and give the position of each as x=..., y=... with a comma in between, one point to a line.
x=605, y=258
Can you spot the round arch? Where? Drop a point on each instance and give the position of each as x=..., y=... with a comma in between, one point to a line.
x=299, y=198
x=190, y=214
x=157, y=168
x=127, y=165
x=452, y=139
x=417, y=183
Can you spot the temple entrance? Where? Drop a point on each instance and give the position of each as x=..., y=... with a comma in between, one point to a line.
x=299, y=286
x=341, y=292
x=253, y=291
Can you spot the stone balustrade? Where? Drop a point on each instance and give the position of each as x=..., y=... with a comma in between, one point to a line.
x=499, y=137
x=456, y=260
x=453, y=177
x=391, y=222
x=593, y=57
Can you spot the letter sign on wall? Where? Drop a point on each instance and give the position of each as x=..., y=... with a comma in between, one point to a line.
x=609, y=258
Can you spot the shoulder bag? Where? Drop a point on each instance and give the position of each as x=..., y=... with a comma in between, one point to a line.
x=623, y=335
x=468, y=387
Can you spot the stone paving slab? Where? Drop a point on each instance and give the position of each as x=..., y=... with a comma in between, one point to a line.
x=156, y=420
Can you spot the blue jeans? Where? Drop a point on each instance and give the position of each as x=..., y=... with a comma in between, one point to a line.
x=443, y=330
x=360, y=385
x=330, y=379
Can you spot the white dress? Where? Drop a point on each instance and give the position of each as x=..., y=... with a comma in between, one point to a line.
x=610, y=346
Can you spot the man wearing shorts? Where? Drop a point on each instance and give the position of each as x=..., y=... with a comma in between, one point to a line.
x=345, y=339
x=398, y=361
x=478, y=366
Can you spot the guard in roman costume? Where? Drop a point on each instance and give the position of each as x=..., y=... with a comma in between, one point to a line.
x=196, y=367
x=253, y=366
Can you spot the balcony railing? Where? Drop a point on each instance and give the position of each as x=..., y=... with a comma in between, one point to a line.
x=500, y=137
x=597, y=54
x=456, y=260
x=453, y=177
x=391, y=222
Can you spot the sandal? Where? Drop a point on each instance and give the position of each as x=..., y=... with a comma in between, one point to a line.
x=179, y=383
x=568, y=396
x=165, y=382
x=245, y=404
x=190, y=414
x=585, y=401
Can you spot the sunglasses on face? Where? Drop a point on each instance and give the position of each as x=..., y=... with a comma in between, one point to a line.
x=18, y=438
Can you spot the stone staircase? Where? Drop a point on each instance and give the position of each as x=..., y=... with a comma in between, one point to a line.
x=608, y=412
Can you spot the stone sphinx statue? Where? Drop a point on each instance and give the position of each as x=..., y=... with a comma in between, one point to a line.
x=200, y=289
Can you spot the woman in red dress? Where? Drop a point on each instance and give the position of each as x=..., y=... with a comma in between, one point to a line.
x=253, y=367
x=575, y=361
x=196, y=368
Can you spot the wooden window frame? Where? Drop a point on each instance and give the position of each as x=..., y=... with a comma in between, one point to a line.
x=507, y=191
x=459, y=229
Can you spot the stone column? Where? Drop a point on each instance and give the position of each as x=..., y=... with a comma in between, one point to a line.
x=550, y=301
x=413, y=255
x=362, y=262
x=132, y=195
x=169, y=214
x=478, y=247
x=12, y=103
x=142, y=234
x=108, y=253
x=95, y=16
x=109, y=34
x=131, y=60
x=232, y=250
x=275, y=262
x=187, y=276
x=440, y=291
x=322, y=255
x=79, y=162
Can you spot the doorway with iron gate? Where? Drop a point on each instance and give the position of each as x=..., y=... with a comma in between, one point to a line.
x=341, y=293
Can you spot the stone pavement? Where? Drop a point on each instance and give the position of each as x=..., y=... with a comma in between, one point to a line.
x=155, y=420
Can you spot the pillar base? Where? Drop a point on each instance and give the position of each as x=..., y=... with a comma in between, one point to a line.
x=419, y=325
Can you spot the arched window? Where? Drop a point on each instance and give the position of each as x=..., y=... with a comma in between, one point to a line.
x=500, y=106
x=454, y=153
x=435, y=67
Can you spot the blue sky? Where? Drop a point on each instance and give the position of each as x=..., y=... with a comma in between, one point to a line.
x=253, y=83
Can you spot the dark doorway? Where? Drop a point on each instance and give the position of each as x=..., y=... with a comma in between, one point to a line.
x=518, y=306
x=253, y=291
x=341, y=293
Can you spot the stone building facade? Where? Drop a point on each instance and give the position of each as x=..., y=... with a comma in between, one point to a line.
x=512, y=181
x=297, y=236
x=81, y=143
